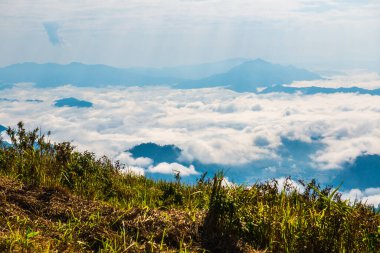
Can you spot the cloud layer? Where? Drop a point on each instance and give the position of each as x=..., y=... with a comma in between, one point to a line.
x=210, y=125
x=173, y=168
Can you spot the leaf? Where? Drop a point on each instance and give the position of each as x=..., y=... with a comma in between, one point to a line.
x=32, y=234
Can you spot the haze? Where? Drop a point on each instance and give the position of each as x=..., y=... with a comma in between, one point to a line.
x=325, y=34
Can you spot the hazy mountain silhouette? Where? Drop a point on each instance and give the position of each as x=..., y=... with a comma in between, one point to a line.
x=196, y=71
x=78, y=74
x=250, y=75
x=239, y=74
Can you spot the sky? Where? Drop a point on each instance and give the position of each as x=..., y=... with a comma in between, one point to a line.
x=323, y=34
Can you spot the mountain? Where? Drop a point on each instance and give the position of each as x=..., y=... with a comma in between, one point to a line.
x=239, y=74
x=77, y=74
x=250, y=75
x=315, y=90
x=72, y=102
x=196, y=71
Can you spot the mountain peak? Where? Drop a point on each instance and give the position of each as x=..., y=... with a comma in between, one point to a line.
x=248, y=76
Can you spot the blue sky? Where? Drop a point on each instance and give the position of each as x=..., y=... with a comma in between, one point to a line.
x=324, y=34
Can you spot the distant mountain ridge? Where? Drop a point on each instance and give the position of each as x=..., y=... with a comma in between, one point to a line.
x=238, y=74
x=77, y=74
x=195, y=71
x=315, y=90
x=250, y=75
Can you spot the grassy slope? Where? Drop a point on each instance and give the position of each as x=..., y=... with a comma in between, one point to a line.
x=41, y=219
x=53, y=198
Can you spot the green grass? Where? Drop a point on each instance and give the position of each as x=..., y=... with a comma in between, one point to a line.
x=55, y=198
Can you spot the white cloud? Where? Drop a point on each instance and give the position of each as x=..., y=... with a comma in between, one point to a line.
x=134, y=170
x=127, y=159
x=227, y=183
x=172, y=168
x=348, y=125
x=369, y=196
x=285, y=182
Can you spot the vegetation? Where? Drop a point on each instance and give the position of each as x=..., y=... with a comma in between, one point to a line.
x=55, y=199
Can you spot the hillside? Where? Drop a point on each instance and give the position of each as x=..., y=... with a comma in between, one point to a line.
x=40, y=218
x=54, y=198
